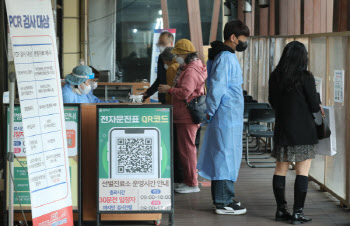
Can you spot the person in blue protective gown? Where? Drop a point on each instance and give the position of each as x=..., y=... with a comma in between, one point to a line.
x=221, y=152
x=78, y=88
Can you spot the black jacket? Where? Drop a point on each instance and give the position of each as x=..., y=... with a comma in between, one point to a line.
x=294, y=111
x=161, y=79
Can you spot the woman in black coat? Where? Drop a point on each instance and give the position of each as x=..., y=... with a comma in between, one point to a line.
x=293, y=96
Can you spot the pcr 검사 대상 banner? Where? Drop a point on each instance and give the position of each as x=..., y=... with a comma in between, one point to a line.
x=34, y=48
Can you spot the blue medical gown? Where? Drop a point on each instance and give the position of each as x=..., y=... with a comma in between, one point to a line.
x=71, y=97
x=221, y=154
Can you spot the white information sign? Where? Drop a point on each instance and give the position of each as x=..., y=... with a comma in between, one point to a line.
x=339, y=86
x=34, y=49
x=155, y=56
x=131, y=194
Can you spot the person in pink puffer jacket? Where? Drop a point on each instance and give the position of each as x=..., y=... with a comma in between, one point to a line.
x=188, y=85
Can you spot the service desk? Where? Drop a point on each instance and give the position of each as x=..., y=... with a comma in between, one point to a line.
x=120, y=91
x=89, y=171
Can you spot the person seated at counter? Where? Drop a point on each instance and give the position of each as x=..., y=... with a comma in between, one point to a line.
x=78, y=88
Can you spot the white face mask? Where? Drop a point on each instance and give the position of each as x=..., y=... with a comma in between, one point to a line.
x=86, y=90
x=166, y=66
x=180, y=60
x=161, y=49
x=94, y=85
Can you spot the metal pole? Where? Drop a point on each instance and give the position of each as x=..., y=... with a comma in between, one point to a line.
x=10, y=154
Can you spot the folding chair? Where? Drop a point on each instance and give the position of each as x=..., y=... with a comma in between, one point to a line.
x=257, y=116
x=247, y=98
x=247, y=108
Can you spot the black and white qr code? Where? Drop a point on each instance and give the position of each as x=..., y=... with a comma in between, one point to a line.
x=135, y=155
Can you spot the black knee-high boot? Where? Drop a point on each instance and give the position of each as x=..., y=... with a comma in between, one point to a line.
x=300, y=191
x=279, y=184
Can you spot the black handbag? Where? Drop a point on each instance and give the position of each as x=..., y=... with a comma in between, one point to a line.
x=323, y=130
x=197, y=108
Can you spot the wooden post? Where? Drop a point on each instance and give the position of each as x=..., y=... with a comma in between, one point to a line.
x=194, y=18
x=164, y=5
x=290, y=16
x=215, y=20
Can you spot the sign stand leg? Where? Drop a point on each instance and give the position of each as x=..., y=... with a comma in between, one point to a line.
x=98, y=219
x=171, y=219
x=10, y=159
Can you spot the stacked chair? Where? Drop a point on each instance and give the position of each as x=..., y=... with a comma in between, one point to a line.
x=259, y=119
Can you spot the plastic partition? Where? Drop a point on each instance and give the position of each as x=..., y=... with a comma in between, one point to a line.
x=335, y=177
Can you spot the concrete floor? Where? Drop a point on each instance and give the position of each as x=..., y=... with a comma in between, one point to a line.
x=254, y=190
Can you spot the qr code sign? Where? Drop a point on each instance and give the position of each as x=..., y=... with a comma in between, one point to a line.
x=135, y=155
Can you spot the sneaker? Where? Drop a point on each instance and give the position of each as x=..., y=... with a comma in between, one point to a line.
x=231, y=209
x=179, y=185
x=187, y=189
x=238, y=203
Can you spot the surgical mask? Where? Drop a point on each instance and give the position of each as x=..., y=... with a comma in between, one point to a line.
x=241, y=46
x=94, y=85
x=180, y=60
x=166, y=66
x=86, y=90
x=161, y=49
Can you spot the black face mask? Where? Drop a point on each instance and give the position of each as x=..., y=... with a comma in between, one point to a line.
x=241, y=46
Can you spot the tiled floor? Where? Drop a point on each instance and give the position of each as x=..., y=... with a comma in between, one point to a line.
x=254, y=190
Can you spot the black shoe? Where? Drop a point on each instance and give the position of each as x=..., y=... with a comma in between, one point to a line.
x=231, y=209
x=283, y=214
x=299, y=218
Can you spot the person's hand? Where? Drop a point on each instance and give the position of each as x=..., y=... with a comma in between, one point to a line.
x=163, y=88
x=144, y=97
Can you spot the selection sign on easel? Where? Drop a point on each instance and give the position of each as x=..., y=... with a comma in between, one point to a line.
x=38, y=79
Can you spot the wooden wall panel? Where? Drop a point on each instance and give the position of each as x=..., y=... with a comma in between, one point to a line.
x=290, y=16
x=272, y=18
x=317, y=16
x=240, y=10
x=308, y=16
x=264, y=21
x=330, y=7
x=164, y=5
x=323, y=22
x=343, y=4
x=195, y=25
x=329, y=15
x=283, y=19
x=215, y=20
x=297, y=17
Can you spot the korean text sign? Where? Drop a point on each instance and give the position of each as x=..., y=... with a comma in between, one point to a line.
x=134, y=151
x=19, y=148
x=34, y=49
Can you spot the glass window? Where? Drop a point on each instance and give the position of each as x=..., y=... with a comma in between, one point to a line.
x=178, y=18
x=206, y=10
x=136, y=21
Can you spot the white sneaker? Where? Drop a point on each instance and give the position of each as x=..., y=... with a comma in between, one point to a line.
x=179, y=185
x=187, y=189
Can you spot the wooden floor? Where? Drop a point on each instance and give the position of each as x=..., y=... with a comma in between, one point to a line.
x=254, y=190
